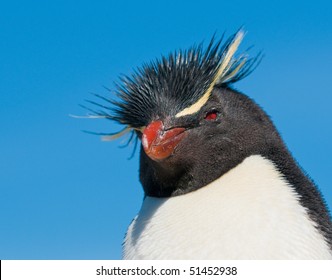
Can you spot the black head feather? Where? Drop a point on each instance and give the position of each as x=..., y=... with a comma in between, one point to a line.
x=166, y=86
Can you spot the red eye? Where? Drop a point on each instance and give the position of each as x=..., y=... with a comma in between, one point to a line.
x=211, y=115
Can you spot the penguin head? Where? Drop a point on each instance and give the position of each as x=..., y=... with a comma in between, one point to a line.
x=192, y=125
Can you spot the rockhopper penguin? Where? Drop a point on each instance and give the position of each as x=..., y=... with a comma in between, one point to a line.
x=219, y=181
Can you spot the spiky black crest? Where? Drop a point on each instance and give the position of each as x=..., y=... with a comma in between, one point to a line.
x=168, y=85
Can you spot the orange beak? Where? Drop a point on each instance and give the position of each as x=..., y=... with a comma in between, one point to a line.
x=159, y=144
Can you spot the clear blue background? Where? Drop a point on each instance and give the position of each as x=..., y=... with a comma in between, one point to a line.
x=65, y=194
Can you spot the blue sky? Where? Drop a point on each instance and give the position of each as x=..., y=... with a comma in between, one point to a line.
x=67, y=195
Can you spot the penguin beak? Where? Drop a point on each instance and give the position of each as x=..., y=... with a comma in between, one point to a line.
x=159, y=143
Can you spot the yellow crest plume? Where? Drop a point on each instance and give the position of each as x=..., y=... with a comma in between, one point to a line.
x=221, y=76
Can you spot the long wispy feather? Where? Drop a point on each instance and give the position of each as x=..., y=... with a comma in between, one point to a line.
x=173, y=84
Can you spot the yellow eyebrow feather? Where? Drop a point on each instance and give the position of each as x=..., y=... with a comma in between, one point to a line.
x=223, y=68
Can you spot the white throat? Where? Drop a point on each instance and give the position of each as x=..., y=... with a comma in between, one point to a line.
x=249, y=213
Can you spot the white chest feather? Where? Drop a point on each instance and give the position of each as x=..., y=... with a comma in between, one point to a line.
x=248, y=213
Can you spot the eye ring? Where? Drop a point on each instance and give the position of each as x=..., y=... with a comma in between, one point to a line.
x=211, y=115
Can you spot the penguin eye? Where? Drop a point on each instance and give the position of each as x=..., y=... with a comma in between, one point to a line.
x=211, y=116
